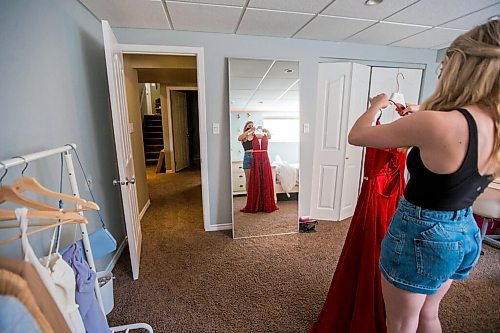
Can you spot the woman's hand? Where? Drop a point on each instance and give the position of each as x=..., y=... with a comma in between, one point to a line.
x=410, y=108
x=380, y=101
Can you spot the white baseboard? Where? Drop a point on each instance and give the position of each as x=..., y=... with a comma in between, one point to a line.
x=117, y=255
x=219, y=227
x=144, y=209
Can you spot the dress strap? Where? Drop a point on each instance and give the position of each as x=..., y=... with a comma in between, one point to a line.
x=471, y=157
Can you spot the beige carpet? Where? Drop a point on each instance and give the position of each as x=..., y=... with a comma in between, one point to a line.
x=194, y=281
x=284, y=220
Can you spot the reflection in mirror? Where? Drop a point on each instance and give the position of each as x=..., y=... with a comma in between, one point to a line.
x=265, y=132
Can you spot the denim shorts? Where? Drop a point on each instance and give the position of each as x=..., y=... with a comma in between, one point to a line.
x=424, y=248
x=247, y=160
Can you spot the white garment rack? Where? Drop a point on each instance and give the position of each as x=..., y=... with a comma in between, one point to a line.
x=66, y=150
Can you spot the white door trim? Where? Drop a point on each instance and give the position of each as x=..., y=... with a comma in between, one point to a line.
x=202, y=111
x=169, y=121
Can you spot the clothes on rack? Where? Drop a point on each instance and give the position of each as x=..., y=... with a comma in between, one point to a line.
x=15, y=318
x=56, y=275
x=260, y=192
x=354, y=302
x=15, y=286
x=44, y=300
x=93, y=318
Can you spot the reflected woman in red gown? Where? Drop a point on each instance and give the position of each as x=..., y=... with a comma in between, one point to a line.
x=354, y=302
x=260, y=184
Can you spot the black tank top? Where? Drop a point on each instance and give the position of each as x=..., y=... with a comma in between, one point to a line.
x=247, y=145
x=452, y=191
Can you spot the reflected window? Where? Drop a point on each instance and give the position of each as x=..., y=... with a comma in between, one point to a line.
x=283, y=129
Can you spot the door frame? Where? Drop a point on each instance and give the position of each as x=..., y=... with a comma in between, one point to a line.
x=169, y=121
x=202, y=112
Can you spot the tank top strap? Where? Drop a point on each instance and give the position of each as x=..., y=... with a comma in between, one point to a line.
x=471, y=157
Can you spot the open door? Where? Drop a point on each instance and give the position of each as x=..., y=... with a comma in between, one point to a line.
x=119, y=112
x=342, y=97
x=180, y=129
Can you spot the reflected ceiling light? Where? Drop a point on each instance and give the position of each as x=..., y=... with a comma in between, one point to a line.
x=494, y=18
x=373, y=2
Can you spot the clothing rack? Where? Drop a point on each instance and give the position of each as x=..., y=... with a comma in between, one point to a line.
x=66, y=151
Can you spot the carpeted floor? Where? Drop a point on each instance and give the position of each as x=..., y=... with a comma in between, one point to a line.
x=284, y=220
x=197, y=281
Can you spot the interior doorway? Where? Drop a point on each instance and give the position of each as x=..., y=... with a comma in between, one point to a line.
x=162, y=98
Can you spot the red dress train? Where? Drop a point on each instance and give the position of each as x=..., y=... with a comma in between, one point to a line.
x=354, y=303
x=260, y=192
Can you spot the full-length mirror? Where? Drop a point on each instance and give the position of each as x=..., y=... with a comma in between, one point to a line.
x=265, y=139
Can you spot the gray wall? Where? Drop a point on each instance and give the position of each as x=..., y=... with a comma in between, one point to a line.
x=53, y=89
x=219, y=47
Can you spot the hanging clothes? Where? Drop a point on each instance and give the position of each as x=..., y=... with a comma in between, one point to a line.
x=56, y=275
x=93, y=318
x=260, y=192
x=15, y=286
x=45, y=302
x=354, y=303
x=15, y=317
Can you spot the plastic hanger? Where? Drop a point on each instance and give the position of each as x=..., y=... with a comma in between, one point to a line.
x=32, y=185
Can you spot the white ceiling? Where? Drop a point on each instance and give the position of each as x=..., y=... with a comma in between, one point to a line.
x=408, y=23
x=263, y=85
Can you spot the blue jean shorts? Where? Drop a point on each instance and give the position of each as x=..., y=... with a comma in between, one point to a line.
x=424, y=248
x=247, y=160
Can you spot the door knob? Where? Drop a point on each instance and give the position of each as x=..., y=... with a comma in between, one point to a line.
x=117, y=182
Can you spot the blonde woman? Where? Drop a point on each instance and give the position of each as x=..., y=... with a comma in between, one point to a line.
x=433, y=238
x=249, y=133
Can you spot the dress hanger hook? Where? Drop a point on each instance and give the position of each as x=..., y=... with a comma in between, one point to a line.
x=397, y=79
x=4, y=173
x=25, y=164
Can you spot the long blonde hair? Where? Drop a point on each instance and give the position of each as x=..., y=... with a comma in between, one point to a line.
x=472, y=76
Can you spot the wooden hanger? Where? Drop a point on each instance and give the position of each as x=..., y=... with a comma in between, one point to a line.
x=31, y=184
x=9, y=193
x=69, y=218
x=9, y=215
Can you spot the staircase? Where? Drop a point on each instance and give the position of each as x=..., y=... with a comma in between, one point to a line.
x=152, y=132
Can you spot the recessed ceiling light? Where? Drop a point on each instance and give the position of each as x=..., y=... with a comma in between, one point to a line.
x=373, y=2
x=288, y=70
x=494, y=18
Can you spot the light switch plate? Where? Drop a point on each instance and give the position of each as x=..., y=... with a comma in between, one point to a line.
x=215, y=128
x=306, y=128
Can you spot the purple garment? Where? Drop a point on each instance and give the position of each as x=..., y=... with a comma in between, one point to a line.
x=93, y=318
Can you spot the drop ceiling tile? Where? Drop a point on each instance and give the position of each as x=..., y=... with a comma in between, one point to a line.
x=276, y=84
x=238, y=3
x=129, y=13
x=310, y=6
x=430, y=38
x=202, y=17
x=284, y=70
x=384, y=33
x=271, y=23
x=432, y=12
x=244, y=83
x=358, y=9
x=332, y=28
x=471, y=20
x=248, y=67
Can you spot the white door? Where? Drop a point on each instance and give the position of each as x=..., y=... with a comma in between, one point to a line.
x=121, y=129
x=383, y=79
x=180, y=129
x=342, y=96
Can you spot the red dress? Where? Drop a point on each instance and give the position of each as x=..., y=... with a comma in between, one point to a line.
x=354, y=302
x=260, y=192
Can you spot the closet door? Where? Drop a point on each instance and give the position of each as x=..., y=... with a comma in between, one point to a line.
x=383, y=79
x=342, y=96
